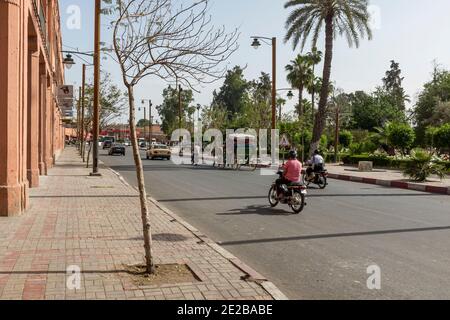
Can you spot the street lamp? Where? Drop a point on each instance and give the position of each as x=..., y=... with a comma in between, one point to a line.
x=256, y=44
x=290, y=95
x=145, y=123
x=150, y=117
x=68, y=61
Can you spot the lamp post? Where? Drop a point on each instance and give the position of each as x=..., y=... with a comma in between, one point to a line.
x=79, y=120
x=69, y=62
x=96, y=88
x=83, y=88
x=179, y=106
x=150, y=118
x=256, y=44
x=145, y=124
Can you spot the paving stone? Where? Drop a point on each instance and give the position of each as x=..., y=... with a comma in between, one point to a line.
x=94, y=225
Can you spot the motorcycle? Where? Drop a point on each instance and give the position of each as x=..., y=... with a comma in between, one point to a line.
x=294, y=195
x=320, y=178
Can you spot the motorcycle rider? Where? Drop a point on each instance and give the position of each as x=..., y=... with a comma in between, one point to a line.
x=291, y=171
x=317, y=165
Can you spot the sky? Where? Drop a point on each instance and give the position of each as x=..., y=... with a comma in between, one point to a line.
x=411, y=32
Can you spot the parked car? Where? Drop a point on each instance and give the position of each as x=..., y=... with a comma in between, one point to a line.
x=159, y=151
x=107, y=144
x=117, y=149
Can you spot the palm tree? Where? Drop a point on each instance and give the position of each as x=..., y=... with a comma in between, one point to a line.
x=315, y=57
x=339, y=17
x=280, y=103
x=299, y=73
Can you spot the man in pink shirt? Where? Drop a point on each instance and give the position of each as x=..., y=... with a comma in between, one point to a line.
x=292, y=170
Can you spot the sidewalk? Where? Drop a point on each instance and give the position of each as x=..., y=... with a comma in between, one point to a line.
x=95, y=223
x=388, y=178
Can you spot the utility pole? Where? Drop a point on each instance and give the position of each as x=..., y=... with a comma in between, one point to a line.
x=79, y=121
x=151, y=121
x=179, y=106
x=150, y=131
x=145, y=127
x=96, y=88
x=274, y=83
x=336, y=137
x=83, y=144
x=179, y=116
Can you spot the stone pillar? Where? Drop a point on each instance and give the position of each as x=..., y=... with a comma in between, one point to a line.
x=23, y=122
x=42, y=127
x=48, y=124
x=11, y=191
x=33, y=114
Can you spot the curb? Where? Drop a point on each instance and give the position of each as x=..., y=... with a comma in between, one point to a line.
x=392, y=184
x=252, y=274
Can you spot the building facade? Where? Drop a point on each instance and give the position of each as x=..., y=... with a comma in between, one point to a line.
x=122, y=132
x=31, y=69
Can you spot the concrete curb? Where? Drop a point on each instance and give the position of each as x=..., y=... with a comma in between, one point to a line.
x=392, y=184
x=252, y=274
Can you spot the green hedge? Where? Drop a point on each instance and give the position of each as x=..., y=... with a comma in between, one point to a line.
x=383, y=161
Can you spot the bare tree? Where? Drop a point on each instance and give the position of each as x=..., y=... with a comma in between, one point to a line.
x=175, y=41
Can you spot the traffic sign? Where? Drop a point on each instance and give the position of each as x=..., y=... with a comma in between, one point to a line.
x=284, y=142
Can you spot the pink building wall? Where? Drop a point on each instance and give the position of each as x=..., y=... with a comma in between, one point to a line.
x=31, y=129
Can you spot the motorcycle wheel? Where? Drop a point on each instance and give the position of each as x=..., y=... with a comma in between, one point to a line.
x=305, y=180
x=322, y=183
x=273, y=197
x=298, y=202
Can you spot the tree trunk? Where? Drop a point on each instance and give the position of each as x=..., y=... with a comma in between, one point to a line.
x=313, y=92
x=300, y=102
x=141, y=184
x=319, y=123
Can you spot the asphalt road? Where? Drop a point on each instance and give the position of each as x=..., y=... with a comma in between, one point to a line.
x=324, y=252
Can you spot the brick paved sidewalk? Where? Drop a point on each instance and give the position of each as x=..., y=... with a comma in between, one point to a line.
x=388, y=178
x=94, y=223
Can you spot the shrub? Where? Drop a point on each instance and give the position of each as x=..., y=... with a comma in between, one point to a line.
x=430, y=136
x=421, y=165
x=401, y=136
x=362, y=148
x=305, y=137
x=360, y=136
x=378, y=160
x=442, y=137
x=345, y=138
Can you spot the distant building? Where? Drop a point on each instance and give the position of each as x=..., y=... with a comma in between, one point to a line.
x=122, y=132
x=31, y=119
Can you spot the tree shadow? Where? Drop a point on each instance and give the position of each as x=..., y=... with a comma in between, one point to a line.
x=256, y=209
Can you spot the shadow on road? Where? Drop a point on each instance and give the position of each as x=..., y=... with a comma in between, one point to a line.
x=160, y=168
x=213, y=198
x=335, y=235
x=256, y=209
x=321, y=195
